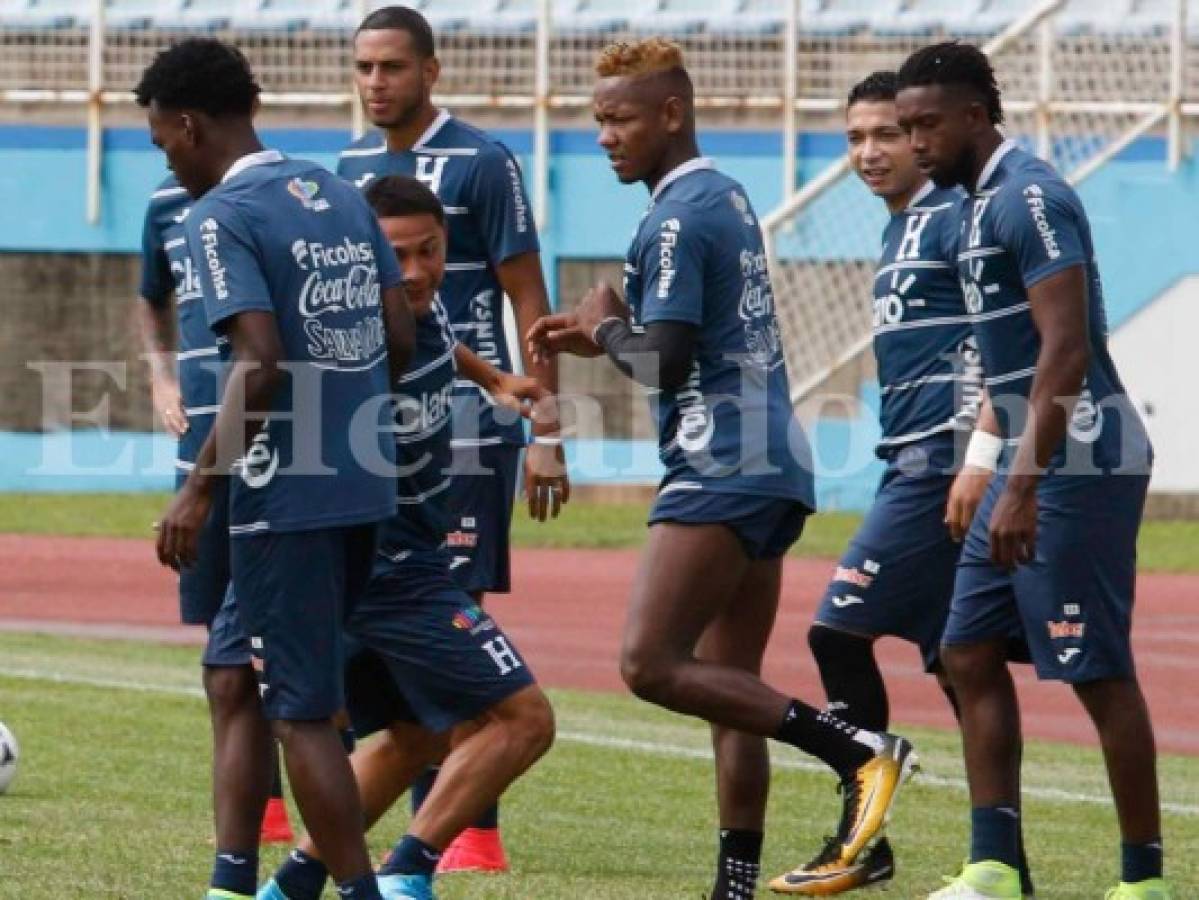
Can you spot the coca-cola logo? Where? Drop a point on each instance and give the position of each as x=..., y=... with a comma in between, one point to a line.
x=357, y=289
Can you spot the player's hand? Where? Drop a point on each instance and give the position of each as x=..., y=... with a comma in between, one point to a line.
x=547, y=486
x=519, y=393
x=598, y=304
x=1014, y=527
x=179, y=529
x=965, y=495
x=168, y=405
x=560, y=333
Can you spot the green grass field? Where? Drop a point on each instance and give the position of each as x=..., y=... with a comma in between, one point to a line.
x=1164, y=546
x=112, y=796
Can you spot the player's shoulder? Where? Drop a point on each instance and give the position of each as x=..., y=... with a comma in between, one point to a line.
x=1022, y=176
x=942, y=202
x=470, y=140
x=370, y=144
x=167, y=198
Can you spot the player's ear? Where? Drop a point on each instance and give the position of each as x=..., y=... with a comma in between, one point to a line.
x=432, y=70
x=187, y=121
x=675, y=113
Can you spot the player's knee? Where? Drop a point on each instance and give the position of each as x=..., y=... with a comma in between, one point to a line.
x=230, y=689
x=645, y=674
x=970, y=665
x=530, y=723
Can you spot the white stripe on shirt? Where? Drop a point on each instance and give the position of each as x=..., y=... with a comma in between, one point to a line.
x=193, y=354
x=421, y=498
x=175, y=242
x=168, y=192
x=920, y=382
x=1011, y=376
x=427, y=367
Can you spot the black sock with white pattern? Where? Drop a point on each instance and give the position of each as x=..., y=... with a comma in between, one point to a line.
x=738, y=866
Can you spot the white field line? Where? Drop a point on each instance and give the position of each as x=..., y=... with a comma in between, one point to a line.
x=591, y=739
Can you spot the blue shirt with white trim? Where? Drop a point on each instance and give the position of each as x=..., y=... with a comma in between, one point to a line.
x=929, y=371
x=1023, y=224
x=698, y=257
x=168, y=271
x=289, y=238
x=416, y=535
x=489, y=220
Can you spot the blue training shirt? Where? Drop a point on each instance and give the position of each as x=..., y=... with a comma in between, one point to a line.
x=167, y=271
x=289, y=238
x=929, y=372
x=416, y=535
x=489, y=220
x=698, y=257
x=1023, y=224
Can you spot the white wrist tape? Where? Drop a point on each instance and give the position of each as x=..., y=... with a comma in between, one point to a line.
x=983, y=450
x=547, y=440
x=595, y=331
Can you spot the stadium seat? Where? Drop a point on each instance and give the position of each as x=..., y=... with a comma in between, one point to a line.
x=1092, y=16
x=926, y=17
x=1150, y=17
x=134, y=14
x=991, y=18
x=517, y=16
x=688, y=16
x=839, y=17
x=609, y=15
x=452, y=15
x=43, y=14
x=205, y=15
x=759, y=17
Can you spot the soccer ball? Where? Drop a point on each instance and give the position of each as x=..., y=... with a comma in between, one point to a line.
x=9, y=753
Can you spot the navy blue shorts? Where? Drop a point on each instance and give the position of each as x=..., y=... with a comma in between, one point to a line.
x=765, y=526
x=420, y=650
x=896, y=577
x=294, y=592
x=1074, y=601
x=227, y=642
x=202, y=585
x=480, y=499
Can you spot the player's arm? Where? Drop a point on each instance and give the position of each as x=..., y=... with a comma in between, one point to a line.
x=254, y=378
x=400, y=329
x=970, y=484
x=1041, y=228
x=155, y=327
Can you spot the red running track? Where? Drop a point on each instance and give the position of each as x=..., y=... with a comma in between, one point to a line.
x=566, y=613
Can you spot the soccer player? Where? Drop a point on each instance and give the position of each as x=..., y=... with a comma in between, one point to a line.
x=455, y=667
x=896, y=577
x=700, y=330
x=186, y=404
x=1053, y=546
x=493, y=251
x=298, y=278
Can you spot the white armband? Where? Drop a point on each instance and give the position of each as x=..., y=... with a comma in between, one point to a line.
x=548, y=440
x=983, y=450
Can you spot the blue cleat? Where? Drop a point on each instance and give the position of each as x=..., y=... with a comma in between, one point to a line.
x=270, y=891
x=218, y=894
x=406, y=887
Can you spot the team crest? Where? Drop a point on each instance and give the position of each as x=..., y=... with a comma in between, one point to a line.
x=306, y=192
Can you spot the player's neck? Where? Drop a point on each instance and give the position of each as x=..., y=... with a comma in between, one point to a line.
x=983, y=151
x=899, y=202
x=231, y=148
x=684, y=151
x=405, y=135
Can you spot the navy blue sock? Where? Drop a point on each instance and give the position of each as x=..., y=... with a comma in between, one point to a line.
x=1026, y=886
x=422, y=786
x=411, y=856
x=364, y=888
x=348, y=738
x=995, y=834
x=490, y=817
x=301, y=876
x=235, y=871
x=1140, y=862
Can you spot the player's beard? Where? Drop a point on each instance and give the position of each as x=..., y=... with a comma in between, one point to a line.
x=959, y=173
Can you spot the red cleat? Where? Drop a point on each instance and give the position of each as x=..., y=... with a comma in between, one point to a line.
x=276, y=828
x=475, y=850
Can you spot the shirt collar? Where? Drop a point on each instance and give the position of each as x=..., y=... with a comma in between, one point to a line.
x=697, y=164
x=260, y=158
x=993, y=163
x=917, y=198
x=435, y=126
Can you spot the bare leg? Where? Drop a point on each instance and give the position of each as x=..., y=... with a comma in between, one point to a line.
x=242, y=755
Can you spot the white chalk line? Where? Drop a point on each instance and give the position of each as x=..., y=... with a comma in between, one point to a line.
x=591, y=739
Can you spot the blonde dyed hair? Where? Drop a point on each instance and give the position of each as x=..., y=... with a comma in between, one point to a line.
x=635, y=59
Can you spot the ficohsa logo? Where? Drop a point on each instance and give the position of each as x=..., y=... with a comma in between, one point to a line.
x=1034, y=196
x=667, y=241
x=212, y=258
x=299, y=250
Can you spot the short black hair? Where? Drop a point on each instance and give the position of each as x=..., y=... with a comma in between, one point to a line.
x=402, y=195
x=881, y=85
x=954, y=64
x=402, y=18
x=200, y=73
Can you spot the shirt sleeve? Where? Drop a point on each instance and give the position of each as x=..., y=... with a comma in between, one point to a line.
x=157, y=284
x=390, y=273
x=1040, y=224
x=671, y=270
x=230, y=266
x=501, y=207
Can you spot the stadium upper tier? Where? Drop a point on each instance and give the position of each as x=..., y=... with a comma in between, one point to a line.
x=746, y=17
